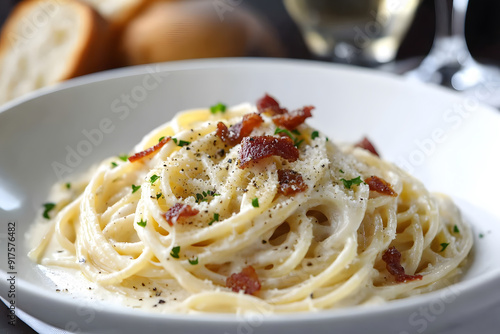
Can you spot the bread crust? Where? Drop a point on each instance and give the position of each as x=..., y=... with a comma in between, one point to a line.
x=90, y=53
x=167, y=31
x=120, y=18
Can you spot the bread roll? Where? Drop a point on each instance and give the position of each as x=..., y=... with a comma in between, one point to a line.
x=194, y=29
x=118, y=12
x=48, y=41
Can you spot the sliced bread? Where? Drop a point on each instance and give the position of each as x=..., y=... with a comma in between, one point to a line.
x=47, y=41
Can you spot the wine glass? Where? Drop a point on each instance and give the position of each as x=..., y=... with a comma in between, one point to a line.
x=449, y=63
x=361, y=32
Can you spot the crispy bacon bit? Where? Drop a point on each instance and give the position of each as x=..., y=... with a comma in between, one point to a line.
x=254, y=149
x=392, y=258
x=247, y=280
x=237, y=132
x=367, y=145
x=293, y=119
x=177, y=211
x=267, y=104
x=291, y=182
x=381, y=186
x=151, y=150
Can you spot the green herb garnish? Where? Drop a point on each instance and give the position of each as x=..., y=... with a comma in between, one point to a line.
x=455, y=229
x=443, y=246
x=314, y=135
x=340, y=170
x=296, y=141
x=135, y=188
x=481, y=235
x=142, y=223
x=158, y=195
x=193, y=262
x=154, y=178
x=348, y=183
x=114, y=164
x=215, y=219
x=203, y=196
x=161, y=138
x=68, y=185
x=219, y=107
x=48, y=207
x=123, y=157
x=180, y=142
x=255, y=202
x=175, y=252
x=296, y=132
x=285, y=131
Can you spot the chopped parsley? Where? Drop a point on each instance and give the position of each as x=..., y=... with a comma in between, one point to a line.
x=296, y=141
x=175, y=252
x=314, y=135
x=340, y=170
x=123, y=157
x=349, y=183
x=285, y=131
x=193, y=262
x=68, y=185
x=154, y=178
x=142, y=223
x=158, y=195
x=161, y=138
x=215, y=219
x=135, y=188
x=481, y=235
x=296, y=132
x=219, y=107
x=455, y=229
x=180, y=142
x=114, y=164
x=326, y=138
x=255, y=202
x=203, y=196
x=48, y=207
x=443, y=246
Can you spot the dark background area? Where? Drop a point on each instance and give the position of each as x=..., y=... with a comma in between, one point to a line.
x=482, y=28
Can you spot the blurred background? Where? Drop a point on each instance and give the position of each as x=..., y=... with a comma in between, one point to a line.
x=482, y=28
x=392, y=35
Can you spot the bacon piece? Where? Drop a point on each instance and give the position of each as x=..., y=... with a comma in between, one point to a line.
x=381, y=186
x=257, y=148
x=149, y=151
x=268, y=104
x=367, y=145
x=177, y=211
x=293, y=119
x=291, y=182
x=237, y=132
x=247, y=280
x=392, y=258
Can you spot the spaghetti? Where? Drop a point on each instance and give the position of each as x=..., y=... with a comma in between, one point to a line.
x=252, y=209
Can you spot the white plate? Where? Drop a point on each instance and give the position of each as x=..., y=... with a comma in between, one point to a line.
x=450, y=143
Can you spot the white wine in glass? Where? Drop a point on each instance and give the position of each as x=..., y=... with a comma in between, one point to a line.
x=360, y=32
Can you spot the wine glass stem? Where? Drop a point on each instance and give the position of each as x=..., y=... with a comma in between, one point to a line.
x=449, y=53
x=458, y=18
